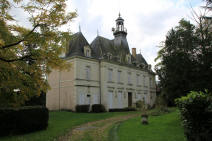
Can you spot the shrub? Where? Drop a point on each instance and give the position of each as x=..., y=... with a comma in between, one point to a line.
x=37, y=100
x=130, y=109
x=82, y=108
x=196, y=115
x=160, y=102
x=98, y=108
x=23, y=120
x=122, y=110
x=140, y=104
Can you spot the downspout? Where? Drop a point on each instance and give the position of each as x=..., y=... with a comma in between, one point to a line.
x=100, y=82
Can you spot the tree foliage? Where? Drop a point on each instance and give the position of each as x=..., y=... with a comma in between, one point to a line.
x=27, y=54
x=196, y=115
x=185, y=60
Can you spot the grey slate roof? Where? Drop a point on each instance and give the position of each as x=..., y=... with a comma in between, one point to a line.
x=76, y=45
x=140, y=59
x=101, y=46
x=121, y=41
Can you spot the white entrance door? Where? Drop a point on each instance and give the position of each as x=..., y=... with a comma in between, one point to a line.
x=110, y=100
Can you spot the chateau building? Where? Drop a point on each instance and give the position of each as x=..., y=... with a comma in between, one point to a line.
x=103, y=72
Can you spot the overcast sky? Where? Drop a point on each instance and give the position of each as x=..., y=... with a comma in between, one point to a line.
x=147, y=21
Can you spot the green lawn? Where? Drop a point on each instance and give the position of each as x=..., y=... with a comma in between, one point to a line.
x=61, y=122
x=161, y=128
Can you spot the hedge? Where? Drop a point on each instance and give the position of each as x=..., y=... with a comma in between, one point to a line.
x=82, y=108
x=196, y=115
x=122, y=109
x=37, y=100
x=23, y=120
x=98, y=108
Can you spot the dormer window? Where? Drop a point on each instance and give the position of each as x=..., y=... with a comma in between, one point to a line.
x=128, y=58
x=87, y=51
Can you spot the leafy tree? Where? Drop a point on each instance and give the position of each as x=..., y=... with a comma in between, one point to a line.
x=177, y=55
x=185, y=60
x=26, y=55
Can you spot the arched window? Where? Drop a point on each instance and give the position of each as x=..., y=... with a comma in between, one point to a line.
x=87, y=51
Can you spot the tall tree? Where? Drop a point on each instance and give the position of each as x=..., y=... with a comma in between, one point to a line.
x=185, y=57
x=27, y=54
x=177, y=64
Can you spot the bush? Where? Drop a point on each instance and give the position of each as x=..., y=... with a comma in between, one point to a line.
x=196, y=115
x=23, y=120
x=123, y=109
x=140, y=104
x=130, y=109
x=160, y=102
x=37, y=100
x=98, y=108
x=82, y=108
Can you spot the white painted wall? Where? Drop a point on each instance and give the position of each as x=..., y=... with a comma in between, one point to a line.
x=74, y=85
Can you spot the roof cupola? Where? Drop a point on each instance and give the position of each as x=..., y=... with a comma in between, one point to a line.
x=120, y=29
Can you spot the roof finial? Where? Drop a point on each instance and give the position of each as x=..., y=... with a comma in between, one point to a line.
x=79, y=28
x=97, y=32
x=119, y=14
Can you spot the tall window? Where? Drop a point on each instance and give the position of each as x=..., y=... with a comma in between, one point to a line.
x=119, y=77
x=110, y=73
x=150, y=82
x=144, y=81
x=87, y=72
x=137, y=79
x=129, y=78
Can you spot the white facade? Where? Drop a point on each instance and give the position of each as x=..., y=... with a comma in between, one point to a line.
x=91, y=81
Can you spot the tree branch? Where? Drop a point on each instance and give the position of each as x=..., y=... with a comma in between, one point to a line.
x=18, y=42
x=17, y=59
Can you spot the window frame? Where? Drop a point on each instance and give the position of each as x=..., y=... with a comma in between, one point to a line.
x=119, y=76
x=137, y=79
x=110, y=75
x=129, y=78
x=88, y=73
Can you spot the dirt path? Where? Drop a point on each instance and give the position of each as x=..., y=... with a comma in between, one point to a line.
x=94, y=131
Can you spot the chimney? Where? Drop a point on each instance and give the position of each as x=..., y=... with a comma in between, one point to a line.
x=134, y=52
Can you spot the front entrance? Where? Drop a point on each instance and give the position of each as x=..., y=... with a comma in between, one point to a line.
x=129, y=99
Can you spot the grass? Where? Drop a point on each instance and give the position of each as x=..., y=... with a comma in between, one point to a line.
x=60, y=122
x=166, y=127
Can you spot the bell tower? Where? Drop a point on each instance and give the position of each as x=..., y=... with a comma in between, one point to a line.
x=120, y=33
x=120, y=29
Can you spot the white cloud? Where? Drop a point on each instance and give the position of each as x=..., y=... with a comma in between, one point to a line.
x=147, y=21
